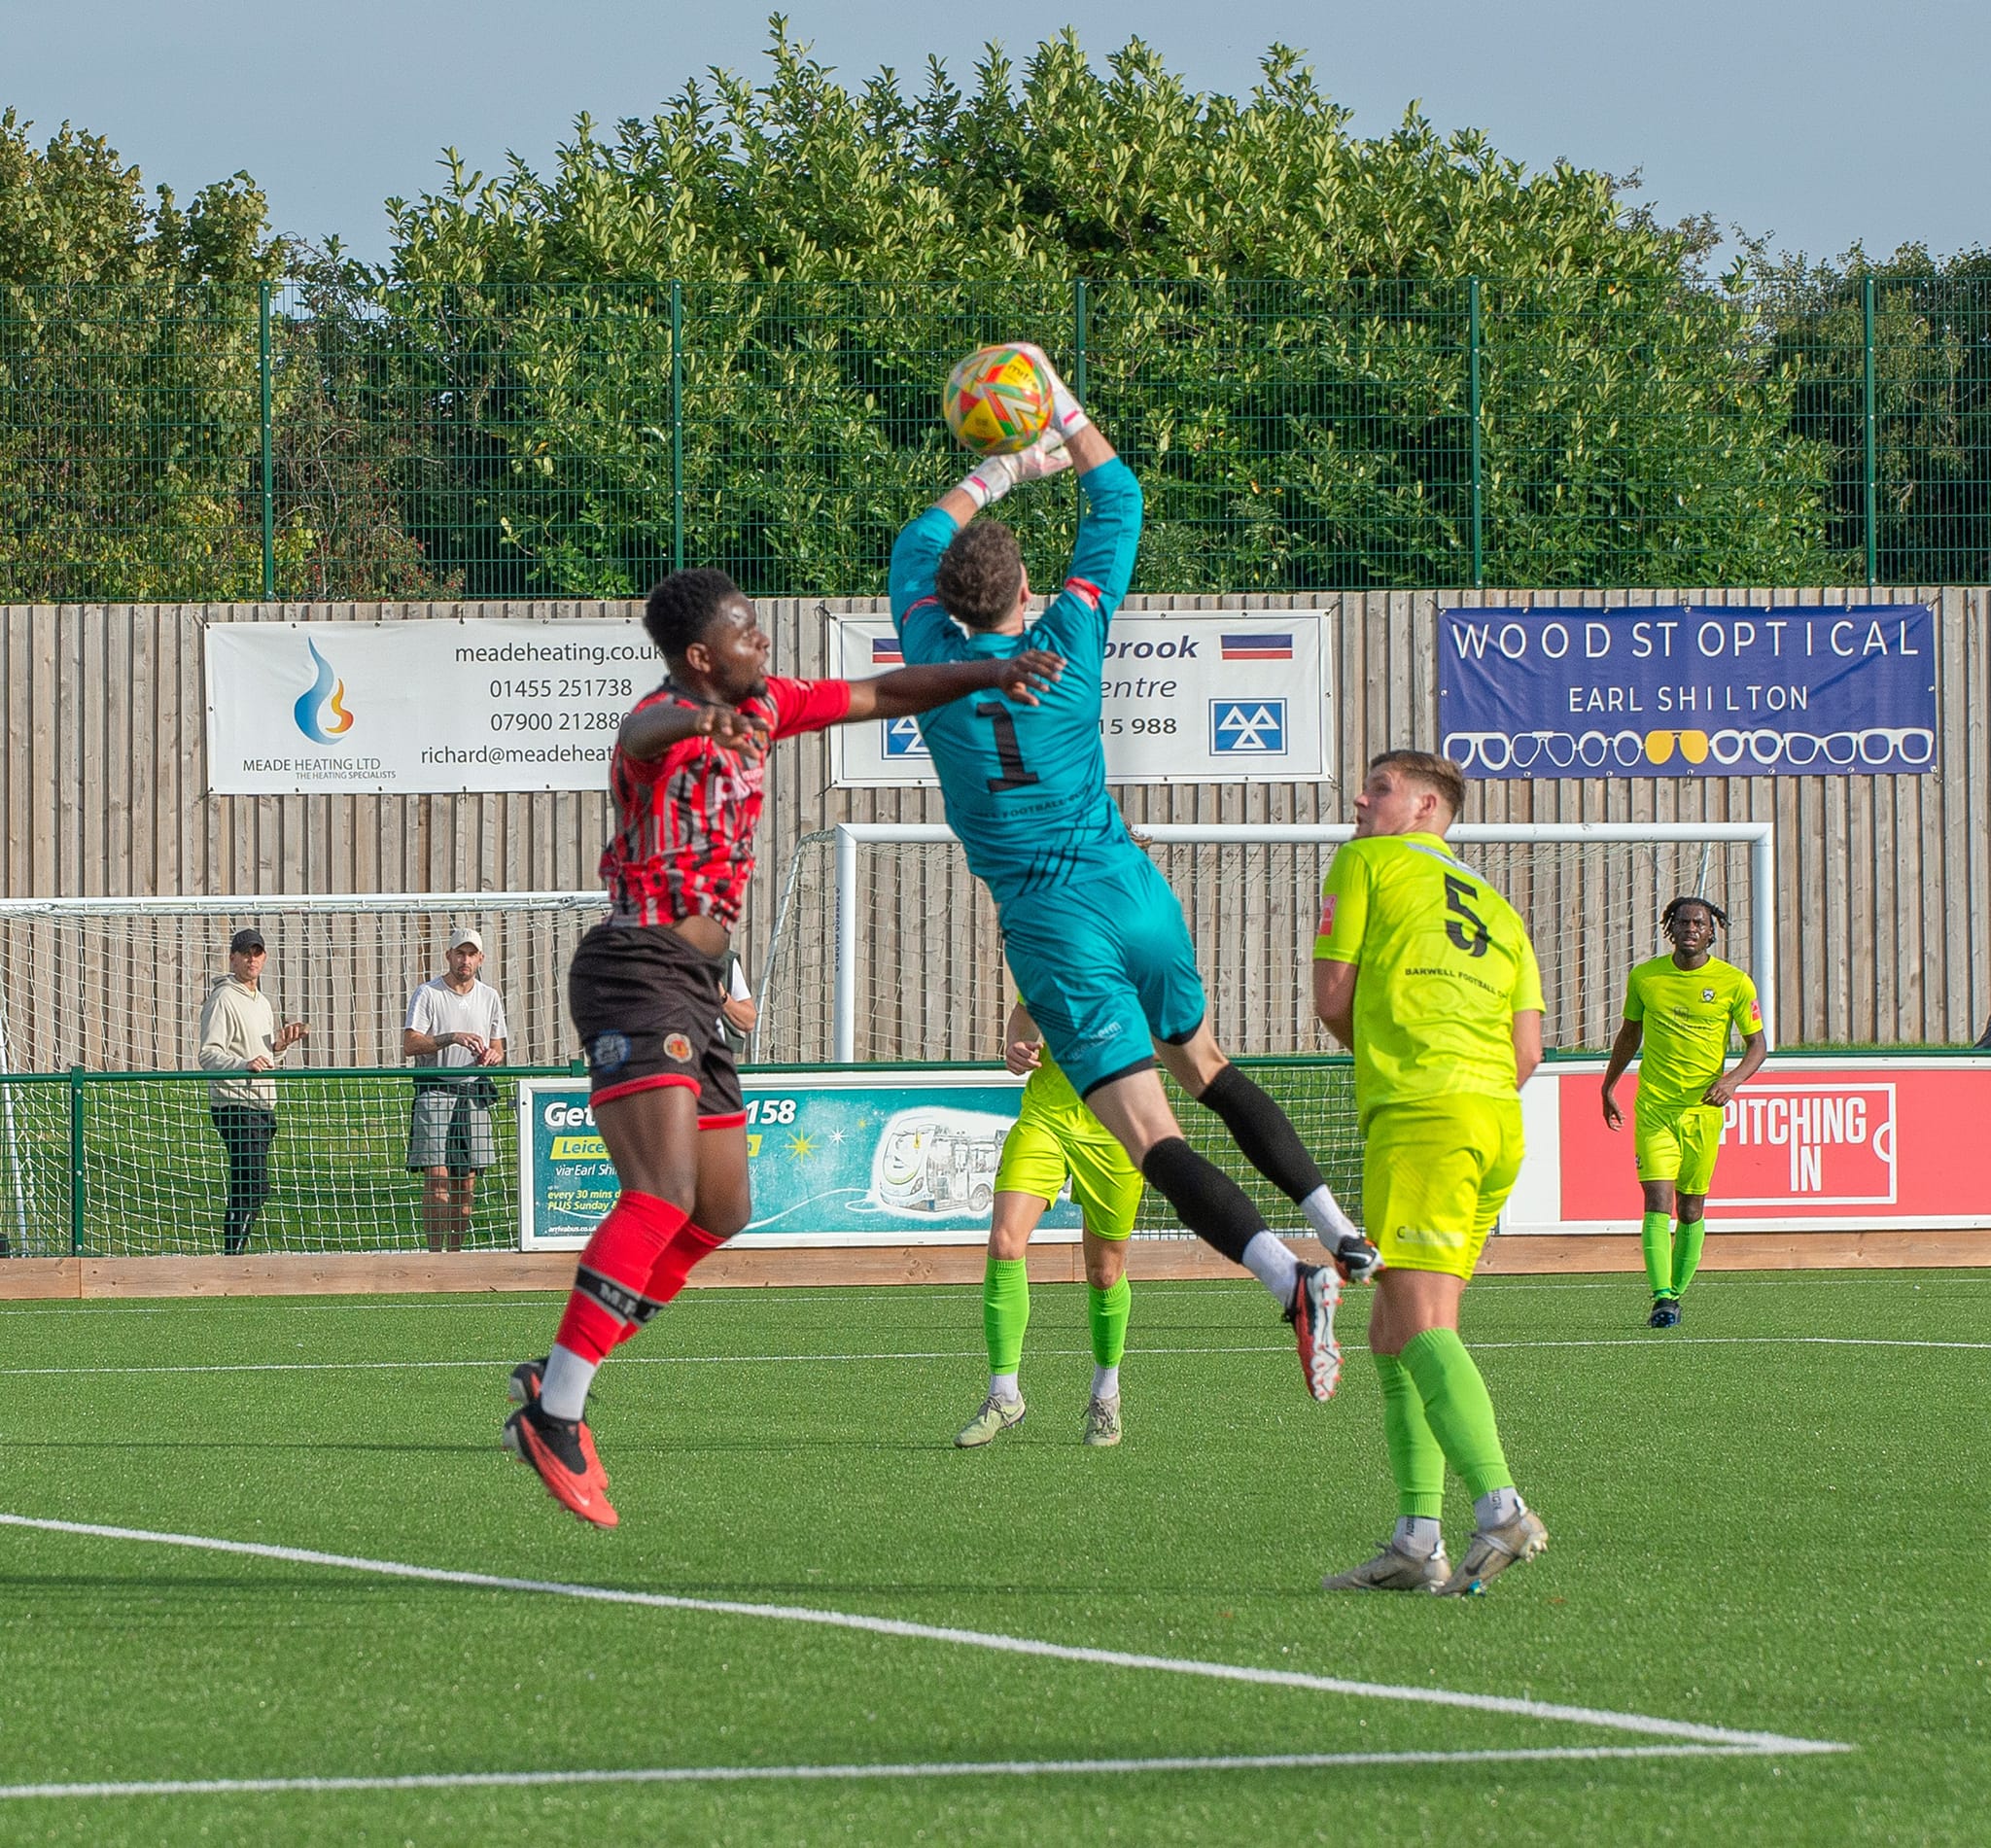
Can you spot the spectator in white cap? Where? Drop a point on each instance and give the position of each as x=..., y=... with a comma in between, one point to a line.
x=454, y=1021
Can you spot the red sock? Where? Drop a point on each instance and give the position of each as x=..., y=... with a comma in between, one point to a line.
x=690, y=1245
x=609, y=1299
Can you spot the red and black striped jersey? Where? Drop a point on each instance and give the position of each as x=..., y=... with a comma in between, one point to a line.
x=683, y=840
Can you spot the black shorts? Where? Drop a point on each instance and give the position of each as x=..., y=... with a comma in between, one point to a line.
x=645, y=1004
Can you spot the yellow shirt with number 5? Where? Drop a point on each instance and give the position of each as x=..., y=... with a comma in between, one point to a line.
x=1446, y=964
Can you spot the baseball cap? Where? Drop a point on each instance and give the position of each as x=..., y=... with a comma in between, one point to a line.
x=249, y=938
x=464, y=935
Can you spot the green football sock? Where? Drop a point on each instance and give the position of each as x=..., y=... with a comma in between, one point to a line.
x=1457, y=1409
x=1005, y=1311
x=1108, y=1311
x=1415, y=1458
x=1656, y=1230
x=1686, y=1253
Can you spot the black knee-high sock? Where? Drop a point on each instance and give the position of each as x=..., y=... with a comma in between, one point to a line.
x=1263, y=1132
x=1206, y=1199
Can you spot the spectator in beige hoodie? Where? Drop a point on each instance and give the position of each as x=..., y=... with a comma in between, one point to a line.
x=239, y=1035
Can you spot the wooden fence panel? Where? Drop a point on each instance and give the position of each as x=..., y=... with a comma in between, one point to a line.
x=1884, y=883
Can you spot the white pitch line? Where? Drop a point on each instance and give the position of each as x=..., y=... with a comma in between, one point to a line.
x=1646, y=1724
x=962, y=1353
x=841, y=1773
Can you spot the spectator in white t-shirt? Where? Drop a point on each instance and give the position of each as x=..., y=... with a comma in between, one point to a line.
x=739, y=1011
x=454, y=1021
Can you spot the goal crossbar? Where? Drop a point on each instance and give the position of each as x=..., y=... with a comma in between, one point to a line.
x=1759, y=836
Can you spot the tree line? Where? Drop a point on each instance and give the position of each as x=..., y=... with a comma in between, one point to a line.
x=720, y=333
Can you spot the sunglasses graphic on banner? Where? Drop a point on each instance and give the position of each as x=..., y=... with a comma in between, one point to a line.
x=1557, y=752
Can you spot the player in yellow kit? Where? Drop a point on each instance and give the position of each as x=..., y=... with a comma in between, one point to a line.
x=1681, y=1007
x=1055, y=1139
x=1426, y=973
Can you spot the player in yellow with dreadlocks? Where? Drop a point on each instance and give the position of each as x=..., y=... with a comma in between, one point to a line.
x=1681, y=1006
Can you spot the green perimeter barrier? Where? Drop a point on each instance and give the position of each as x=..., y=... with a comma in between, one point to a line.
x=103, y=1164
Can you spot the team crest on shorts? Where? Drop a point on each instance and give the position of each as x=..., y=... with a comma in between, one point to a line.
x=677, y=1047
x=607, y=1052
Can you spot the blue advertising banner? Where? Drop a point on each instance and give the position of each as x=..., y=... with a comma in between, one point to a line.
x=1681, y=691
x=834, y=1158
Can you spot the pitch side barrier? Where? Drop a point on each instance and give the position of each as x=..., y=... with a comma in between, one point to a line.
x=115, y=1183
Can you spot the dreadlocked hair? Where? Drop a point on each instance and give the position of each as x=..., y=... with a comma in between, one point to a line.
x=1708, y=905
x=680, y=610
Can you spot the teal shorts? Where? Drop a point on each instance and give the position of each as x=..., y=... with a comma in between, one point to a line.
x=1106, y=968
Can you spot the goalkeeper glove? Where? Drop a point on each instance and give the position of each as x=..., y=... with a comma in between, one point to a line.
x=1067, y=414
x=995, y=475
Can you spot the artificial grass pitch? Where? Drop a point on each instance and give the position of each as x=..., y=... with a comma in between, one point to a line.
x=1766, y=1521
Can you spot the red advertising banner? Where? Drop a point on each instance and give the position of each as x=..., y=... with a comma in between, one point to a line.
x=1853, y=1142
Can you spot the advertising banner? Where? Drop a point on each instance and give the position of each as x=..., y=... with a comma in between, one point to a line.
x=834, y=1159
x=1677, y=692
x=415, y=708
x=1234, y=696
x=1825, y=1145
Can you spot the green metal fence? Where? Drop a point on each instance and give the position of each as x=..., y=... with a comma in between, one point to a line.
x=120, y=1163
x=310, y=441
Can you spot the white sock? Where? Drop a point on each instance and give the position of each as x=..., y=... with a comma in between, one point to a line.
x=1417, y=1535
x=1106, y=1382
x=1324, y=1214
x=562, y=1392
x=1003, y=1386
x=1496, y=1508
x=1274, y=1266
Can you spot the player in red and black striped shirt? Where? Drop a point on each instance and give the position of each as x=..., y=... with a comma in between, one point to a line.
x=645, y=988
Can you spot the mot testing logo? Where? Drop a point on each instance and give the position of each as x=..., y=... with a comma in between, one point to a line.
x=321, y=717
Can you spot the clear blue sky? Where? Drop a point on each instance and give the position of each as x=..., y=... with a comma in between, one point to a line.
x=1818, y=122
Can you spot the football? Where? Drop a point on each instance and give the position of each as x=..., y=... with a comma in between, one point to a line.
x=997, y=400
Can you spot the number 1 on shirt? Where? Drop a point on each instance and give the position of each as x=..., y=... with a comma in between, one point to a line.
x=1016, y=775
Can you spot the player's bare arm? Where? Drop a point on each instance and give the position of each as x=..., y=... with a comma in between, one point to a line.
x=1527, y=1045
x=907, y=690
x=1023, y=1045
x=1721, y=1093
x=1334, y=998
x=648, y=734
x=1624, y=1049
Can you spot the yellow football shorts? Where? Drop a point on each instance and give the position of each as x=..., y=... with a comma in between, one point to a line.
x=1678, y=1145
x=1042, y=1148
x=1435, y=1176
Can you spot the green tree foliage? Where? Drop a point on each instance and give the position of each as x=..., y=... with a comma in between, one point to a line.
x=128, y=377
x=130, y=385
x=1932, y=401
x=836, y=249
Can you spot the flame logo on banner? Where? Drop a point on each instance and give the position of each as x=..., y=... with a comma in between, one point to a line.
x=320, y=699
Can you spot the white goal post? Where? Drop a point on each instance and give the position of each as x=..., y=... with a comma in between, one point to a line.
x=1591, y=891
x=118, y=984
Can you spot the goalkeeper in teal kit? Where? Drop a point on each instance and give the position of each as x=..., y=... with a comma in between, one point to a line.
x=1092, y=934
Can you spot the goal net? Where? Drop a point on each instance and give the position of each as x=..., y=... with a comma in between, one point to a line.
x=110, y=1145
x=118, y=984
x=886, y=949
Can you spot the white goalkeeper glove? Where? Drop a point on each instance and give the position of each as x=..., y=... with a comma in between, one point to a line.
x=995, y=475
x=1067, y=414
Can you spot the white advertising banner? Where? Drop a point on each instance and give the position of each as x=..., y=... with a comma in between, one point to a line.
x=1230, y=696
x=415, y=708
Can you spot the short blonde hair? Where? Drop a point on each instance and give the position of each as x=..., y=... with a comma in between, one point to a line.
x=1437, y=774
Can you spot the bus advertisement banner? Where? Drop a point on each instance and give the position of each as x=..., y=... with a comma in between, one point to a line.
x=835, y=1158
